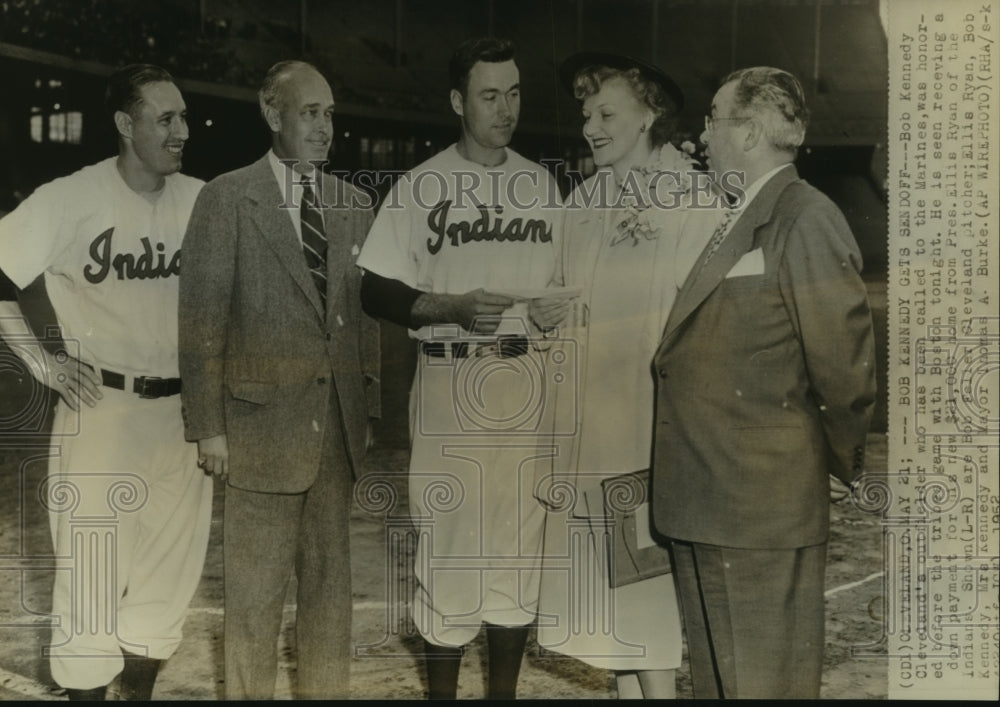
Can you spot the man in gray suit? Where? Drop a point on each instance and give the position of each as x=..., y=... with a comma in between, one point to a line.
x=280, y=379
x=766, y=384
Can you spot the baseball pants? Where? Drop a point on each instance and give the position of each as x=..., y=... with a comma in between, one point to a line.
x=129, y=512
x=471, y=493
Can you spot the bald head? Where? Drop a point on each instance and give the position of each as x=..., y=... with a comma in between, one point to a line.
x=297, y=104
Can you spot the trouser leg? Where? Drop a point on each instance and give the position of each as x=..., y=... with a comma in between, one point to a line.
x=763, y=616
x=323, y=567
x=704, y=673
x=259, y=531
x=92, y=502
x=168, y=555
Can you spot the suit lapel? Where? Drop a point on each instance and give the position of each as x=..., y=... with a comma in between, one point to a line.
x=277, y=229
x=705, y=277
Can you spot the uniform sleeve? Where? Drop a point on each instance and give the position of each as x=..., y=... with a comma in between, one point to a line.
x=387, y=250
x=821, y=283
x=34, y=235
x=208, y=267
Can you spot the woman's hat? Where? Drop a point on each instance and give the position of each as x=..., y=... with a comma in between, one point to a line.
x=573, y=63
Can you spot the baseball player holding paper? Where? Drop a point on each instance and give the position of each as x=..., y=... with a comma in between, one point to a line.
x=127, y=502
x=454, y=234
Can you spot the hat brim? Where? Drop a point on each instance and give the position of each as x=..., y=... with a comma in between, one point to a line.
x=572, y=64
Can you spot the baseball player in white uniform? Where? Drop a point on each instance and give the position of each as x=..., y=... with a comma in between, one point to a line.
x=459, y=245
x=129, y=508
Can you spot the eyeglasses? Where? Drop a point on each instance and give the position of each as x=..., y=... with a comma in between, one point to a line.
x=711, y=121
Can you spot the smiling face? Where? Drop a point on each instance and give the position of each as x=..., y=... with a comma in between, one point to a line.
x=490, y=107
x=613, y=126
x=159, y=129
x=302, y=119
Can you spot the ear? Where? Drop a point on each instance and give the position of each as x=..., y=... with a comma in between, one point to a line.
x=755, y=134
x=647, y=122
x=272, y=116
x=123, y=123
x=457, y=102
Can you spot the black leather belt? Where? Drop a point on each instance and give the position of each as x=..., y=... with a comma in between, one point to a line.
x=144, y=386
x=509, y=346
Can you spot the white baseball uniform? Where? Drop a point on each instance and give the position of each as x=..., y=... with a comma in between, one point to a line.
x=451, y=226
x=129, y=508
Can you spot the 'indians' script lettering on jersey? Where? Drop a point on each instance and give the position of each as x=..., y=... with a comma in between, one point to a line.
x=128, y=266
x=482, y=229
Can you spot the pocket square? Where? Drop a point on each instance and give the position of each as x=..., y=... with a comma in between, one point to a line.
x=355, y=250
x=751, y=263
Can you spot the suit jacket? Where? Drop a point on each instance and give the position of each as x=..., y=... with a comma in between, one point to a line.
x=257, y=356
x=765, y=379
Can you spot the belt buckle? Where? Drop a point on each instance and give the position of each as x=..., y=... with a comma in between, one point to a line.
x=147, y=393
x=512, y=345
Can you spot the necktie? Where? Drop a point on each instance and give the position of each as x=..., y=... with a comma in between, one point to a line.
x=313, y=238
x=719, y=234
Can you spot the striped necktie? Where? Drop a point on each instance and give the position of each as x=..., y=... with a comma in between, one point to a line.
x=314, y=238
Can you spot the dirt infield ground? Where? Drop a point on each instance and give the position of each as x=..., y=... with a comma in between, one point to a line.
x=388, y=664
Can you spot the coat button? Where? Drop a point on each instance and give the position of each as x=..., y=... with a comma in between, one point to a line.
x=321, y=381
x=329, y=336
x=662, y=372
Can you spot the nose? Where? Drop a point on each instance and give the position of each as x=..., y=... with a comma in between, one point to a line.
x=325, y=125
x=503, y=107
x=704, y=137
x=589, y=127
x=181, y=128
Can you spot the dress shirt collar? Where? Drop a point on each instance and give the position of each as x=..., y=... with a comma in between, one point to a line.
x=287, y=177
x=754, y=189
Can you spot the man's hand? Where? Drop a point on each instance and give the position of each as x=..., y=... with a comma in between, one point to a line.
x=838, y=489
x=213, y=456
x=73, y=380
x=548, y=312
x=479, y=311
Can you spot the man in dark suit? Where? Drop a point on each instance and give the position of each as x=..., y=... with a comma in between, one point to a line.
x=280, y=366
x=766, y=384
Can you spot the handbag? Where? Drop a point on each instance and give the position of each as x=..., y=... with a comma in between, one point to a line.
x=633, y=555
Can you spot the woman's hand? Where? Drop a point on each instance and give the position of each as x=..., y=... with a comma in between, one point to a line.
x=547, y=313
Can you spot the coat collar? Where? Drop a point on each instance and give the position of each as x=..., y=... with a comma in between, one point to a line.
x=705, y=277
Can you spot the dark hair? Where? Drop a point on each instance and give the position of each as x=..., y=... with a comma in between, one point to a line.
x=488, y=49
x=122, y=92
x=777, y=98
x=588, y=81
